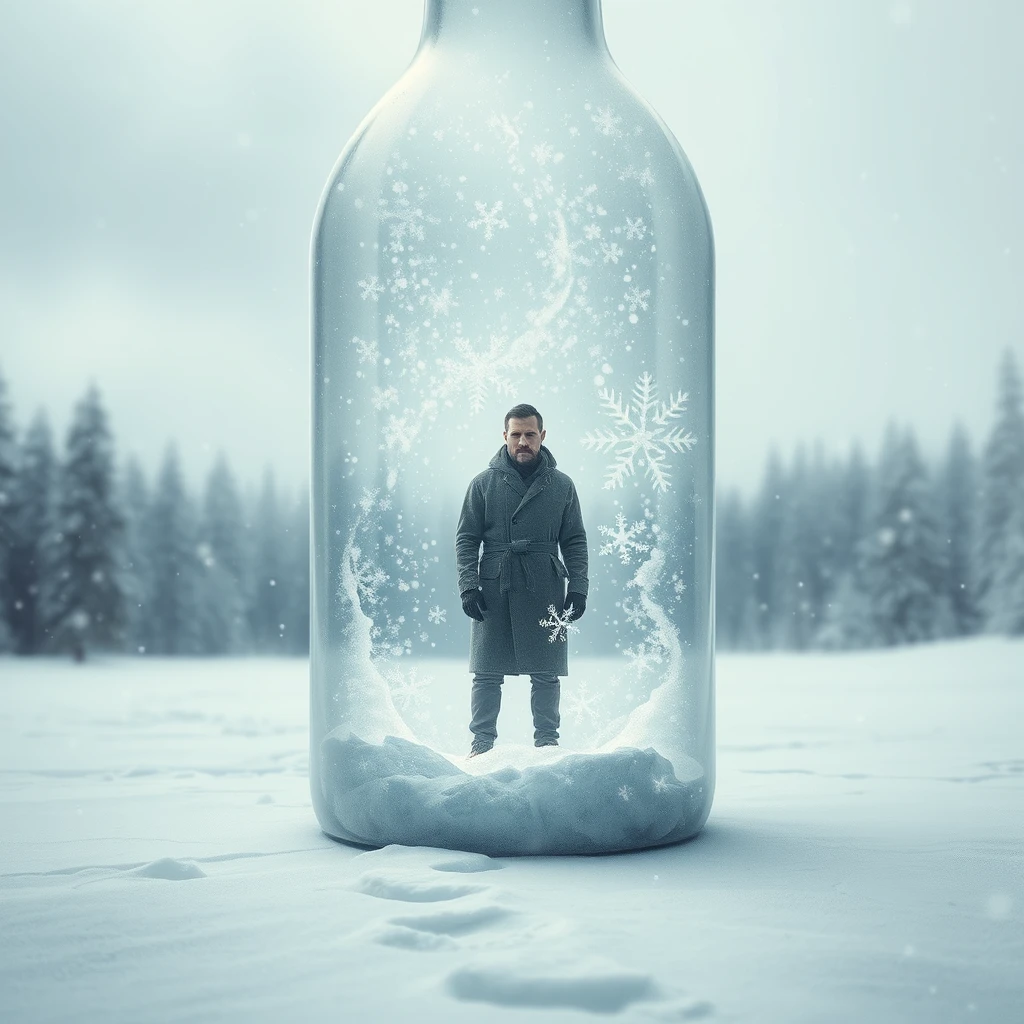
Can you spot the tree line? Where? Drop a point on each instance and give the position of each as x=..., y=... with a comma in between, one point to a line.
x=96, y=558
x=829, y=554
x=845, y=554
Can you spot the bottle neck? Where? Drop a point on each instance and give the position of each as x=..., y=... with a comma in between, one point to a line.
x=521, y=29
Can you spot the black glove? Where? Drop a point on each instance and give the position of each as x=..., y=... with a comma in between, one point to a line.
x=474, y=605
x=579, y=605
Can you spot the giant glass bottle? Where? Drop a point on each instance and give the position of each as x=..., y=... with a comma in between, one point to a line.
x=512, y=223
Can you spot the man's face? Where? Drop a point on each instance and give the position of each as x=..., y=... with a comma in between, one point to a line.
x=524, y=439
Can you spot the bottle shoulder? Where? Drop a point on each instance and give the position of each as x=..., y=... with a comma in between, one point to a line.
x=578, y=142
x=434, y=111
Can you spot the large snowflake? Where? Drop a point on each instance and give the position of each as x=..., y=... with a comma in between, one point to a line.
x=642, y=434
x=475, y=374
x=560, y=624
x=623, y=539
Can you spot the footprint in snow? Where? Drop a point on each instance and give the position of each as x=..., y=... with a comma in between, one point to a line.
x=411, y=887
x=595, y=985
x=468, y=863
x=410, y=938
x=454, y=922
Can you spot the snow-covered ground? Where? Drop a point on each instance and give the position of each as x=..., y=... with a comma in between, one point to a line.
x=159, y=860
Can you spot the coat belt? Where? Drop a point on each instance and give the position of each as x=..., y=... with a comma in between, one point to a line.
x=521, y=548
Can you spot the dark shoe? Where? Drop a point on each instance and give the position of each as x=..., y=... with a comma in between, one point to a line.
x=545, y=743
x=480, y=747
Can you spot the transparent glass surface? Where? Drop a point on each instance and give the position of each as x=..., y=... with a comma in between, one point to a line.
x=512, y=223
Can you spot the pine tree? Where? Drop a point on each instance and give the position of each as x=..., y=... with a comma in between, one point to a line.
x=32, y=518
x=848, y=619
x=8, y=469
x=904, y=566
x=851, y=512
x=1008, y=583
x=267, y=597
x=222, y=554
x=136, y=561
x=803, y=560
x=958, y=497
x=766, y=530
x=174, y=604
x=734, y=574
x=297, y=614
x=88, y=604
x=1002, y=482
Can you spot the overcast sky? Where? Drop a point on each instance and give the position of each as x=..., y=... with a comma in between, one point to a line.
x=162, y=164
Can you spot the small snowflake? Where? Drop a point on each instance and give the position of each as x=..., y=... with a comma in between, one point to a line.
x=372, y=288
x=623, y=538
x=625, y=792
x=606, y=121
x=367, y=349
x=645, y=176
x=369, y=577
x=441, y=302
x=383, y=397
x=661, y=785
x=579, y=702
x=637, y=298
x=592, y=232
x=635, y=228
x=560, y=623
x=488, y=219
x=634, y=613
x=542, y=152
x=611, y=252
x=437, y=614
x=400, y=432
x=642, y=658
x=369, y=499
x=409, y=690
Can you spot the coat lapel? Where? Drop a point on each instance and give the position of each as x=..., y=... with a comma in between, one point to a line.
x=538, y=482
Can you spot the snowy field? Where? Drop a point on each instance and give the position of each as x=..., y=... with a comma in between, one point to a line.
x=160, y=861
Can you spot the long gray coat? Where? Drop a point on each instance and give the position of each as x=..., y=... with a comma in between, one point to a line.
x=519, y=570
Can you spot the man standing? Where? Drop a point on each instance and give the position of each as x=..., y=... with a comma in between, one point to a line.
x=523, y=510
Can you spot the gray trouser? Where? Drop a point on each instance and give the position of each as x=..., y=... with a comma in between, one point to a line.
x=485, y=703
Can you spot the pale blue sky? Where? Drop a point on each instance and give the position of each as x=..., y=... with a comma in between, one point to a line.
x=163, y=162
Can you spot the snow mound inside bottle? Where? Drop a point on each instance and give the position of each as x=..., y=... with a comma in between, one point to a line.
x=403, y=792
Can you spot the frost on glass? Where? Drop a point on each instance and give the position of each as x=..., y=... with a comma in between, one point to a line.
x=502, y=229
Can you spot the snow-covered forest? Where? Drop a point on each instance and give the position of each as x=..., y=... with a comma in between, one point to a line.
x=860, y=552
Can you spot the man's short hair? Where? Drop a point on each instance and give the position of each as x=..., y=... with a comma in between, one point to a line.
x=524, y=412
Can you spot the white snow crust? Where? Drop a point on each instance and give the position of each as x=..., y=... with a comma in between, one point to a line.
x=160, y=860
